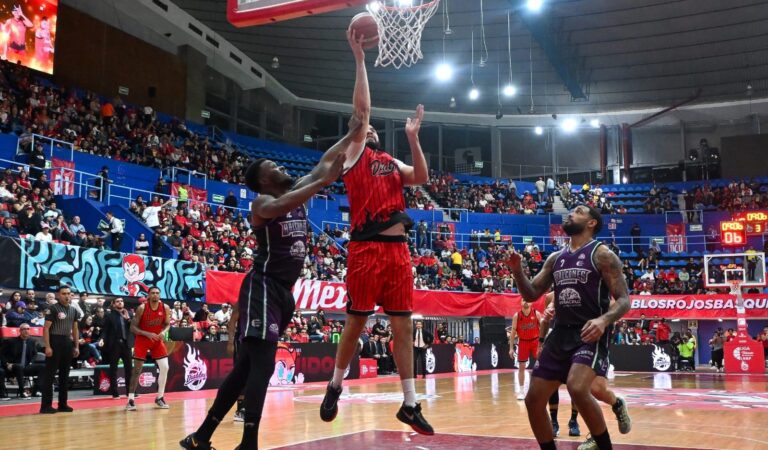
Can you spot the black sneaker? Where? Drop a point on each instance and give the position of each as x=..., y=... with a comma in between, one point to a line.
x=411, y=415
x=65, y=408
x=330, y=406
x=573, y=428
x=47, y=410
x=555, y=429
x=240, y=415
x=191, y=443
x=160, y=403
x=130, y=406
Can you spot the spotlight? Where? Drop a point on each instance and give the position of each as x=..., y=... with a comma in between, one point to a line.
x=474, y=93
x=405, y=2
x=275, y=63
x=535, y=5
x=444, y=72
x=374, y=6
x=595, y=123
x=570, y=125
x=510, y=90
x=624, y=179
x=539, y=131
x=452, y=103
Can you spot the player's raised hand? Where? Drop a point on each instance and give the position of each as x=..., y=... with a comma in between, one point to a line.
x=356, y=44
x=514, y=260
x=334, y=172
x=413, y=124
x=355, y=122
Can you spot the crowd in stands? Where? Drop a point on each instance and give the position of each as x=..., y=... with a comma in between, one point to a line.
x=496, y=197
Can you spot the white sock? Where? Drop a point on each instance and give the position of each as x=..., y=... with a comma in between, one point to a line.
x=131, y=396
x=162, y=364
x=409, y=391
x=338, y=377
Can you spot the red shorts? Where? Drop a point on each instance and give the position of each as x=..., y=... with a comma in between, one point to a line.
x=143, y=345
x=527, y=349
x=379, y=273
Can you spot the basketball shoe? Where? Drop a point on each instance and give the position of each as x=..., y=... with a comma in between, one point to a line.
x=330, y=406
x=411, y=415
x=622, y=415
x=191, y=443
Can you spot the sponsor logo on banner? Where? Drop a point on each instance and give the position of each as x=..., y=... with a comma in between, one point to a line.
x=217, y=198
x=431, y=361
x=494, y=356
x=147, y=379
x=675, y=237
x=195, y=370
x=661, y=360
x=104, y=382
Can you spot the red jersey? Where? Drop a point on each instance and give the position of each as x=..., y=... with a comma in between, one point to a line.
x=375, y=192
x=527, y=326
x=152, y=321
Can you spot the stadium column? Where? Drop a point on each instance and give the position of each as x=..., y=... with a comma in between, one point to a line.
x=496, y=152
x=196, y=70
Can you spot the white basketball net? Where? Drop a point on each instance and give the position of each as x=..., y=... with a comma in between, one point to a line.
x=401, y=23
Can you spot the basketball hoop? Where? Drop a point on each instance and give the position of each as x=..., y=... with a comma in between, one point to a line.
x=400, y=24
x=735, y=286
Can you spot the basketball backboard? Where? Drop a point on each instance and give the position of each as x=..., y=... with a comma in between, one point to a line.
x=720, y=270
x=246, y=13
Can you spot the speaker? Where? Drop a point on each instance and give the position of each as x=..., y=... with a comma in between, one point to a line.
x=45, y=281
x=493, y=329
x=196, y=293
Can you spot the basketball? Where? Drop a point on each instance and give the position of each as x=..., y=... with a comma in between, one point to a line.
x=364, y=24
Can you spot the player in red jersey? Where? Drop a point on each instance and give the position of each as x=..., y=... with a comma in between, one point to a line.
x=149, y=324
x=379, y=265
x=525, y=325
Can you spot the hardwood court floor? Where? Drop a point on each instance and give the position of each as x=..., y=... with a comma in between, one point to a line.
x=479, y=411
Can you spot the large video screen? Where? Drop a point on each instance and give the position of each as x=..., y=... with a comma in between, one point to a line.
x=28, y=32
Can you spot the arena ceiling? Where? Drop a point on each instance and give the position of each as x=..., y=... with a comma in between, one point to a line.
x=614, y=54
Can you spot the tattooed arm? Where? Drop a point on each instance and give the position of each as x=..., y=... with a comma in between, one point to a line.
x=610, y=269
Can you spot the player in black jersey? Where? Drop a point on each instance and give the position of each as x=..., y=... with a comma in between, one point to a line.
x=266, y=303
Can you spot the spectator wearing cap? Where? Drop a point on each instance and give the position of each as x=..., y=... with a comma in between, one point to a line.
x=8, y=229
x=44, y=235
x=18, y=315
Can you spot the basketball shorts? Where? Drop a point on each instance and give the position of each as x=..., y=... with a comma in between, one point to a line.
x=143, y=345
x=266, y=306
x=527, y=349
x=563, y=348
x=379, y=273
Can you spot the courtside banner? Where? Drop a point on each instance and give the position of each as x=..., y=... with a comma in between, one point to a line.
x=696, y=306
x=223, y=287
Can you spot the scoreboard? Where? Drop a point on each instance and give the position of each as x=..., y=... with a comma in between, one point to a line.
x=755, y=221
x=733, y=233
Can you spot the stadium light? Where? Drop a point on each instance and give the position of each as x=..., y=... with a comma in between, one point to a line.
x=539, y=131
x=535, y=5
x=570, y=125
x=474, y=93
x=510, y=90
x=444, y=72
x=594, y=123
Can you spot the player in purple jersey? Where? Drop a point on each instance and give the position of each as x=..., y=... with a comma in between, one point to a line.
x=585, y=275
x=266, y=303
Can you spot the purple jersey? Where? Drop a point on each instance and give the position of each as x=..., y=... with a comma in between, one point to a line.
x=282, y=246
x=579, y=289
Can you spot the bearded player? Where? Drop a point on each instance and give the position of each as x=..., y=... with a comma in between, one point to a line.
x=266, y=304
x=379, y=268
x=150, y=323
x=525, y=326
x=586, y=274
x=600, y=391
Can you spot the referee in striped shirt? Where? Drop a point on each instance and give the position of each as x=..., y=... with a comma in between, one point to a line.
x=60, y=336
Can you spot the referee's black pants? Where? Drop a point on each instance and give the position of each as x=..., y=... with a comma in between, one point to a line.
x=117, y=350
x=62, y=347
x=419, y=361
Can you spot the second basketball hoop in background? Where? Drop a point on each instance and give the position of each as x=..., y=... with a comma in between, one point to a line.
x=363, y=24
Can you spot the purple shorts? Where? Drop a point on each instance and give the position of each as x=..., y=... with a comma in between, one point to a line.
x=563, y=348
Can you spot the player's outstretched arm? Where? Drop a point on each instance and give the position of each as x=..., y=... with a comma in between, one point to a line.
x=361, y=97
x=268, y=207
x=418, y=173
x=532, y=290
x=326, y=161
